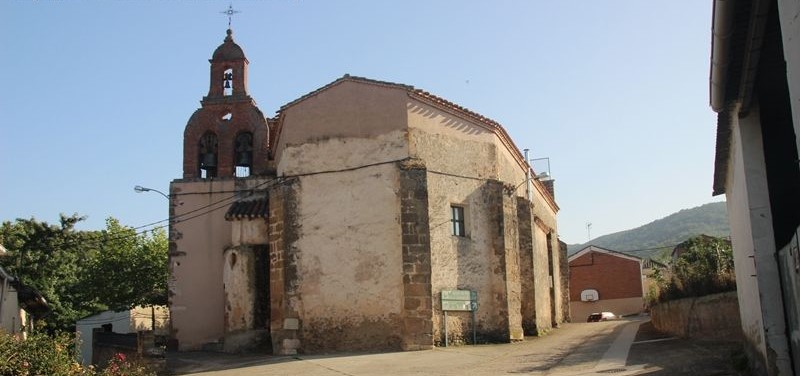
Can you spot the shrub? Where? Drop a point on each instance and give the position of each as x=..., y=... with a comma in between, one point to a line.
x=119, y=365
x=38, y=355
x=41, y=354
x=705, y=267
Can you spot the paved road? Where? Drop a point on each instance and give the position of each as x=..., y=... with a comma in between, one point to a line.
x=572, y=350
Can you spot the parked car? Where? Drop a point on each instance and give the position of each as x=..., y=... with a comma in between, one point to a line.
x=600, y=316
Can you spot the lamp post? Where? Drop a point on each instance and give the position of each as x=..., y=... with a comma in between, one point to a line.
x=140, y=189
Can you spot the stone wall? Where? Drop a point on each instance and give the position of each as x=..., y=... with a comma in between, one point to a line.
x=505, y=283
x=417, y=296
x=713, y=316
x=350, y=260
x=563, y=266
x=526, y=223
x=284, y=318
x=541, y=280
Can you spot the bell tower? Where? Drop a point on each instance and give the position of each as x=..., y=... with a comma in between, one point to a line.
x=227, y=137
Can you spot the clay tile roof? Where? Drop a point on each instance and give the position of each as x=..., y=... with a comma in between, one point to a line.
x=344, y=78
x=444, y=102
x=411, y=89
x=249, y=209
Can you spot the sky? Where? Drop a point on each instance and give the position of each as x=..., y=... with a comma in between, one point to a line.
x=614, y=93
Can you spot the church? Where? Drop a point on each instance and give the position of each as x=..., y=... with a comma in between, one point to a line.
x=364, y=216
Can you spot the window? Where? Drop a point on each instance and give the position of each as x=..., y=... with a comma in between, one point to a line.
x=457, y=219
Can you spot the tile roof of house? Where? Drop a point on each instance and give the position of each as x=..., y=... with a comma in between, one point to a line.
x=594, y=248
x=248, y=209
x=338, y=81
x=483, y=120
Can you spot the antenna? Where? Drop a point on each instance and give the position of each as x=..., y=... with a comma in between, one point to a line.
x=230, y=12
x=589, y=229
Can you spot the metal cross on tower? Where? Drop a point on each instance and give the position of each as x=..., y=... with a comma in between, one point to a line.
x=230, y=12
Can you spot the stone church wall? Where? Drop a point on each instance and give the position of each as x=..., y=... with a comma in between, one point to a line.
x=349, y=261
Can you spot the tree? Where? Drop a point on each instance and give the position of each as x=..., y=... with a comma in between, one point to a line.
x=705, y=267
x=85, y=272
x=51, y=259
x=129, y=269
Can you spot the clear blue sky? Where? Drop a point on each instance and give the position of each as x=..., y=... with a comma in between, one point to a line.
x=615, y=93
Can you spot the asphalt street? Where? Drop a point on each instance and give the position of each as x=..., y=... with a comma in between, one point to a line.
x=622, y=347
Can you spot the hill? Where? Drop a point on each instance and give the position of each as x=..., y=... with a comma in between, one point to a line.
x=644, y=241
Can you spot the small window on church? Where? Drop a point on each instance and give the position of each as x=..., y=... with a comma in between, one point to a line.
x=227, y=82
x=227, y=117
x=207, y=155
x=457, y=220
x=244, y=154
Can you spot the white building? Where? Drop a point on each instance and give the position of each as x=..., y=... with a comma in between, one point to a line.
x=130, y=321
x=18, y=304
x=755, y=88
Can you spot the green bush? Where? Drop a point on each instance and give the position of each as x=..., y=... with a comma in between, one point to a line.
x=41, y=354
x=705, y=267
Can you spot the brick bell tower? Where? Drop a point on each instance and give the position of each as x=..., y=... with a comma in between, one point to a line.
x=228, y=135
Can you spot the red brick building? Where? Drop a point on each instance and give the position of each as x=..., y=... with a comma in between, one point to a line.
x=604, y=280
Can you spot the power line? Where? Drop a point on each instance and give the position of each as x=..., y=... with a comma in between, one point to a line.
x=176, y=219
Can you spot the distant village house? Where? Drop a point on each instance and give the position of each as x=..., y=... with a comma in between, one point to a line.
x=604, y=280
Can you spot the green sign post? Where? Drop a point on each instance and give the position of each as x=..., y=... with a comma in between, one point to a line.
x=459, y=300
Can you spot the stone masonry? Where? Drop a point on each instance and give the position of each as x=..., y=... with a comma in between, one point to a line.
x=284, y=318
x=526, y=223
x=417, y=295
x=505, y=286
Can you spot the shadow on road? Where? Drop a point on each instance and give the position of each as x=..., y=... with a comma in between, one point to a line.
x=663, y=355
x=569, y=356
x=182, y=363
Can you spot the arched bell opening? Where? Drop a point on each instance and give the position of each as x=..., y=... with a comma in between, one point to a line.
x=227, y=82
x=207, y=155
x=243, y=154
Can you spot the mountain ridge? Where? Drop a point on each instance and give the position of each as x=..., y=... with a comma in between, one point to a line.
x=663, y=234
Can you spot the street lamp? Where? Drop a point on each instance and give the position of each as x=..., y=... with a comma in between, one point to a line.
x=140, y=189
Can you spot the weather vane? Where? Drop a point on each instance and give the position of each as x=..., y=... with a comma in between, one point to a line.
x=230, y=12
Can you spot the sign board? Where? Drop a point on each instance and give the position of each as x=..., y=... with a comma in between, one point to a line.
x=459, y=300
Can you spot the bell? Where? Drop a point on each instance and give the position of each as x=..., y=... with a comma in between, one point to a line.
x=227, y=84
x=243, y=159
x=209, y=160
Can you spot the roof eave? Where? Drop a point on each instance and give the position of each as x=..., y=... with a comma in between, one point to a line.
x=722, y=30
